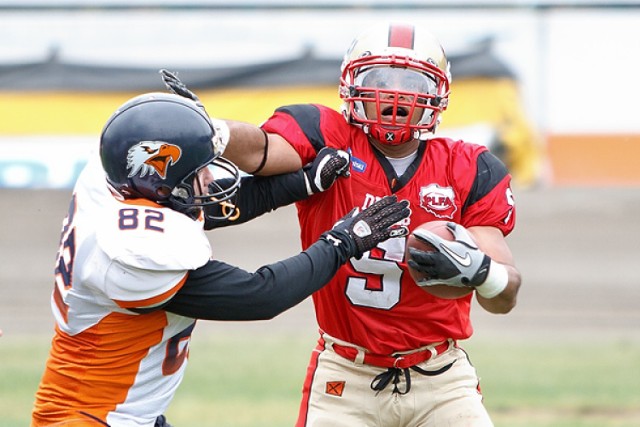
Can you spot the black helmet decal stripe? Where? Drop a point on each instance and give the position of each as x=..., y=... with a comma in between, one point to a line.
x=401, y=36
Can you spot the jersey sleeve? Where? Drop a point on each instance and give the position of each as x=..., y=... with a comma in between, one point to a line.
x=309, y=128
x=149, y=263
x=489, y=201
x=219, y=291
x=258, y=195
x=132, y=287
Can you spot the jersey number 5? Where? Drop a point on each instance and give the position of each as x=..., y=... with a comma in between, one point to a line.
x=379, y=287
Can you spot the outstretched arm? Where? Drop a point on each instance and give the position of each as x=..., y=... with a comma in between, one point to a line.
x=260, y=194
x=249, y=147
x=218, y=291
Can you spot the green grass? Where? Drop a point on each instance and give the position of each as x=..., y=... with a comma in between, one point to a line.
x=22, y=363
x=243, y=381
x=560, y=384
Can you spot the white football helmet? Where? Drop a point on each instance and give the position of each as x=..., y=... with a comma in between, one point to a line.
x=395, y=83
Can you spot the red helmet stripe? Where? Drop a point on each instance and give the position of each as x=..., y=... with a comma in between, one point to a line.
x=401, y=36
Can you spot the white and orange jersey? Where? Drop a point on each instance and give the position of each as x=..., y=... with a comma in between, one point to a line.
x=115, y=361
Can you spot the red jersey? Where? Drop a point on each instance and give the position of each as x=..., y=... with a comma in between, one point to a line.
x=373, y=302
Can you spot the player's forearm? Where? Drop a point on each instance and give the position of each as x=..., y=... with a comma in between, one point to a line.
x=258, y=195
x=246, y=148
x=289, y=282
x=219, y=291
x=505, y=301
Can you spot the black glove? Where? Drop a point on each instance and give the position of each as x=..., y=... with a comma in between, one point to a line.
x=358, y=233
x=328, y=165
x=175, y=85
x=455, y=263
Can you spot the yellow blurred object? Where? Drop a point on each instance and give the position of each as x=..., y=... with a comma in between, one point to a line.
x=493, y=103
x=255, y=105
x=496, y=104
x=72, y=113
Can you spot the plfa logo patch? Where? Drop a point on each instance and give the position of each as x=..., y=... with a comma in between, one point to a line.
x=439, y=201
x=149, y=157
x=334, y=388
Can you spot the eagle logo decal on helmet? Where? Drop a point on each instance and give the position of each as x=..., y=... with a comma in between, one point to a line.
x=149, y=157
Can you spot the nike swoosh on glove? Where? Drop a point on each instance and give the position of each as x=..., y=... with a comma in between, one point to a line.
x=455, y=263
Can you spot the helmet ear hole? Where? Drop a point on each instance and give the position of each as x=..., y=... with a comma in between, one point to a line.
x=163, y=191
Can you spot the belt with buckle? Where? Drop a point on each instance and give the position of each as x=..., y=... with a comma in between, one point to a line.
x=396, y=361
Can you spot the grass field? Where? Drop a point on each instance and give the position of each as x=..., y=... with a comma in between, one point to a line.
x=246, y=381
x=251, y=375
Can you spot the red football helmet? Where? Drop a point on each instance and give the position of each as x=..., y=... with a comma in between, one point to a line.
x=395, y=83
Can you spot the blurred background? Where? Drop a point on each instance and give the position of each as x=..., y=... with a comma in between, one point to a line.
x=546, y=84
x=549, y=86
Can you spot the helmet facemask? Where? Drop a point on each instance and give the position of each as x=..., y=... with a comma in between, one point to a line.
x=394, y=99
x=217, y=200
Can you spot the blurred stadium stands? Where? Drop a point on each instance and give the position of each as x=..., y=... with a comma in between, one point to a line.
x=523, y=79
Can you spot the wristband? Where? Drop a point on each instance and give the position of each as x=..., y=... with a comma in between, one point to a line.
x=222, y=135
x=307, y=184
x=496, y=281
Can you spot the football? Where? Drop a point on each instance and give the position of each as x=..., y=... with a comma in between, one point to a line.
x=441, y=291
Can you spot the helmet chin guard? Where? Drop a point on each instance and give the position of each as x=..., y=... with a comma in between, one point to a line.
x=390, y=136
x=395, y=83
